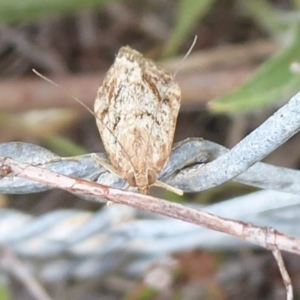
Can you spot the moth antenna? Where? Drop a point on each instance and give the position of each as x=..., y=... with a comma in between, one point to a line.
x=82, y=104
x=186, y=56
x=65, y=91
x=180, y=66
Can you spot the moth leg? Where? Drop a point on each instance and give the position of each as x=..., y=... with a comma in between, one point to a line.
x=103, y=162
x=168, y=187
x=126, y=187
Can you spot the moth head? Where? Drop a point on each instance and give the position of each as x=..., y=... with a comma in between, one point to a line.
x=139, y=179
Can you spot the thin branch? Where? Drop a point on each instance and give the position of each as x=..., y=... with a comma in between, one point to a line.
x=13, y=265
x=248, y=232
x=285, y=276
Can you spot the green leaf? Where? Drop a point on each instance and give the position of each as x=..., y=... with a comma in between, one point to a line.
x=189, y=13
x=274, y=81
x=268, y=17
x=12, y=11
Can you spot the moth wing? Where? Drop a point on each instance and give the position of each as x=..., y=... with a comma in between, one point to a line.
x=168, y=94
x=137, y=108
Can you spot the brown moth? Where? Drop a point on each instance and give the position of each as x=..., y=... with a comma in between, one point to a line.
x=136, y=111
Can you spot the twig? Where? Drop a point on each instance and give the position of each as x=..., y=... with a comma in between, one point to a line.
x=285, y=276
x=248, y=232
x=11, y=263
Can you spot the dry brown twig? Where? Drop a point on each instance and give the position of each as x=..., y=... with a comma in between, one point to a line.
x=270, y=239
x=262, y=236
x=13, y=265
x=284, y=274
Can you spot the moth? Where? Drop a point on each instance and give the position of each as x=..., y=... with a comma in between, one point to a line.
x=136, y=111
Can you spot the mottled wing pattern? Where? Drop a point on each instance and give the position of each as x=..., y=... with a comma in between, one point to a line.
x=137, y=107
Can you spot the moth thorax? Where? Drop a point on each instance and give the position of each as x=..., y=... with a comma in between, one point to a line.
x=141, y=180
